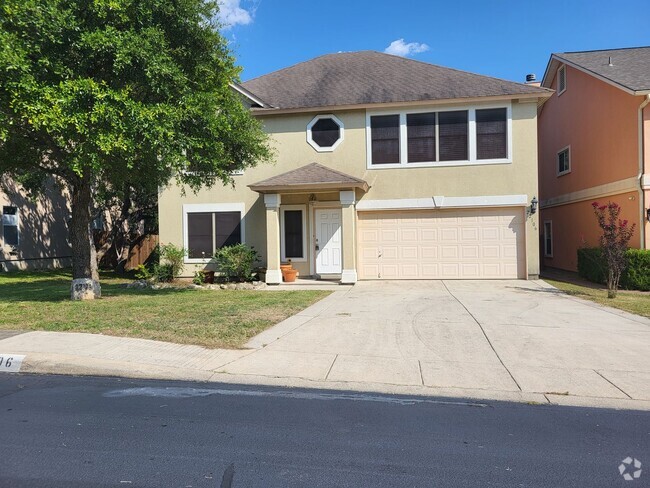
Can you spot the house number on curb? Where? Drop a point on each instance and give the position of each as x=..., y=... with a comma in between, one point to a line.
x=10, y=363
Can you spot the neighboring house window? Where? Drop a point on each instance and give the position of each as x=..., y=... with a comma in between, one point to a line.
x=443, y=138
x=492, y=133
x=325, y=133
x=211, y=227
x=564, y=161
x=10, y=226
x=385, y=131
x=294, y=233
x=548, y=239
x=561, y=80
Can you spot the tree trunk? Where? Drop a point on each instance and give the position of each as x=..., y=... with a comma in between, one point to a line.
x=85, y=277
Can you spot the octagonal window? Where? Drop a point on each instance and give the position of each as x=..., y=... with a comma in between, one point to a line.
x=325, y=133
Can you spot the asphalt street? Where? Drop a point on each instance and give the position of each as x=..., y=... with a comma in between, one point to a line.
x=59, y=431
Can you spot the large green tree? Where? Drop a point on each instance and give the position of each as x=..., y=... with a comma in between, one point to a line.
x=109, y=94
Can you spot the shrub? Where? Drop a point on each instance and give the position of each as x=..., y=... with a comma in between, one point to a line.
x=172, y=256
x=591, y=264
x=637, y=273
x=592, y=267
x=143, y=273
x=164, y=272
x=199, y=278
x=236, y=261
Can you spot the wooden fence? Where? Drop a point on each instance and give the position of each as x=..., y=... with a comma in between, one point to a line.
x=141, y=251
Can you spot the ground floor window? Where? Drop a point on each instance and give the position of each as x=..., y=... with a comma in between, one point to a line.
x=10, y=226
x=211, y=227
x=294, y=233
x=548, y=239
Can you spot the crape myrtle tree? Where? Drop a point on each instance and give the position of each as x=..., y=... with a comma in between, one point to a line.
x=102, y=95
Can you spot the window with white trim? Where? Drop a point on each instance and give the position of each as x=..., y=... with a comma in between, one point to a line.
x=548, y=239
x=564, y=161
x=439, y=138
x=10, y=235
x=325, y=133
x=561, y=80
x=294, y=232
x=211, y=227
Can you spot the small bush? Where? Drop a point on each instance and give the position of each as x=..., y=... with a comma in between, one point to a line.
x=143, y=273
x=199, y=278
x=637, y=272
x=636, y=276
x=173, y=257
x=236, y=261
x=164, y=273
x=591, y=264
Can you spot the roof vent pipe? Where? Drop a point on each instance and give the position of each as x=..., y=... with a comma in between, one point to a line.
x=610, y=62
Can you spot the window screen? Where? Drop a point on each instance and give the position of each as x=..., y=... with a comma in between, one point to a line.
x=10, y=226
x=325, y=132
x=385, y=139
x=491, y=134
x=208, y=231
x=453, y=135
x=293, y=238
x=563, y=162
x=421, y=130
x=548, y=239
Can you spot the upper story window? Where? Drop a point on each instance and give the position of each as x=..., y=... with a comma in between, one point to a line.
x=10, y=226
x=441, y=138
x=561, y=79
x=325, y=133
x=564, y=161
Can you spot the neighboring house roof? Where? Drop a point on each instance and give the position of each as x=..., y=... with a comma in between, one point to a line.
x=312, y=176
x=368, y=77
x=629, y=68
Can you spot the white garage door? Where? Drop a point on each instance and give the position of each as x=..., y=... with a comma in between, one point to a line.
x=441, y=244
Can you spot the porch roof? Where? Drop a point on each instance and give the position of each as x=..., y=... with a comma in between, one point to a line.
x=312, y=177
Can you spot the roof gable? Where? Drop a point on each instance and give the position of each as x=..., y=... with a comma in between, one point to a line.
x=629, y=68
x=311, y=176
x=368, y=77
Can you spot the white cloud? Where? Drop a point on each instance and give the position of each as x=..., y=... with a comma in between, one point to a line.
x=401, y=48
x=231, y=13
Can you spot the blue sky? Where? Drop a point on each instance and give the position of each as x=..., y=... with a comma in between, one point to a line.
x=501, y=38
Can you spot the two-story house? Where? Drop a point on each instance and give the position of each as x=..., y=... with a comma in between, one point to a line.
x=387, y=168
x=594, y=145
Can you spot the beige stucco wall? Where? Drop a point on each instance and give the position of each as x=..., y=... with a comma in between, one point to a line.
x=43, y=230
x=288, y=133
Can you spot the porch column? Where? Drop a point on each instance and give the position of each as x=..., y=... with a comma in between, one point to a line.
x=273, y=273
x=348, y=236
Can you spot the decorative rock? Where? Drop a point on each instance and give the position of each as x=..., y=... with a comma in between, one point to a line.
x=85, y=289
x=139, y=284
x=231, y=286
x=223, y=287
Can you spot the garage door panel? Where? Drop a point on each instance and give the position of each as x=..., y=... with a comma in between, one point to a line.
x=441, y=244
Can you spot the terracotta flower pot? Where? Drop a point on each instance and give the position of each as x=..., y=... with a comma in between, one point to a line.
x=286, y=266
x=289, y=275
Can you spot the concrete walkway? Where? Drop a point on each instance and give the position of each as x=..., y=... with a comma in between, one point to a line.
x=510, y=340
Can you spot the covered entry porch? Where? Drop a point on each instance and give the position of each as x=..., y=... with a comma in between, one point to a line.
x=311, y=222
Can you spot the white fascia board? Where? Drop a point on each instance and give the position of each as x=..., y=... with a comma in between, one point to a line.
x=441, y=202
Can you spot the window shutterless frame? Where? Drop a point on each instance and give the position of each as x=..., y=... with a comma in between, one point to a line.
x=472, y=149
x=189, y=208
x=314, y=144
x=10, y=226
x=283, y=253
x=548, y=238
x=563, y=155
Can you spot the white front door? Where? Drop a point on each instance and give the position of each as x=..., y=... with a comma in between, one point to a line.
x=328, y=240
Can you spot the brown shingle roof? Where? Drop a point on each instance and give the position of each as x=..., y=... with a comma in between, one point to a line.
x=630, y=67
x=313, y=176
x=369, y=77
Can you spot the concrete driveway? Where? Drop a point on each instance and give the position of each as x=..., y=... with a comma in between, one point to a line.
x=510, y=336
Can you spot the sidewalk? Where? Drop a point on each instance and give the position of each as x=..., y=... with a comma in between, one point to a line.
x=285, y=365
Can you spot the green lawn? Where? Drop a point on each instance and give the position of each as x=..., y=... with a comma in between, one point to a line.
x=220, y=318
x=636, y=302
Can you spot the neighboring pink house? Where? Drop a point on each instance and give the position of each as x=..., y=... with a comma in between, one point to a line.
x=594, y=145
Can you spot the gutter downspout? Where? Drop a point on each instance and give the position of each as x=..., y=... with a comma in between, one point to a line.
x=643, y=222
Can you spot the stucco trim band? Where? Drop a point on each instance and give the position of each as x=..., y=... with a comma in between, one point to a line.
x=614, y=188
x=441, y=202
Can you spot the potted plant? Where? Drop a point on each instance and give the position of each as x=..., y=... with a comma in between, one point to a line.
x=289, y=275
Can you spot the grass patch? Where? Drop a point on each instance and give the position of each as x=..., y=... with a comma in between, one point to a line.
x=223, y=318
x=631, y=301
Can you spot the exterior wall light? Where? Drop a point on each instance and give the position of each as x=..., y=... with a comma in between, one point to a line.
x=647, y=214
x=533, y=206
